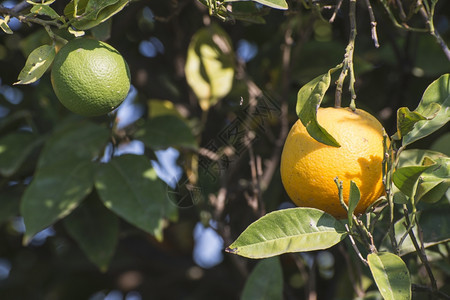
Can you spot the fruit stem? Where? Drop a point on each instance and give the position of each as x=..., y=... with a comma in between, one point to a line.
x=347, y=69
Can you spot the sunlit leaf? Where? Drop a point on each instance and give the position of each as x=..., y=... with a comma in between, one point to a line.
x=44, y=10
x=437, y=92
x=434, y=182
x=166, y=131
x=4, y=25
x=406, y=178
x=353, y=199
x=278, y=4
x=289, y=230
x=391, y=275
x=37, y=63
x=96, y=17
x=96, y=231
x=14, y=149
x=210, y=65
x=265, y=281
x=309, y=98
x=54, y=192
x=129, y=186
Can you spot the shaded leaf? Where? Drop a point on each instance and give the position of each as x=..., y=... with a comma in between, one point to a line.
x=166, y=131
x=210, y=65
x=96, y=231
x=14, y=149
x=289, y=230
x=54, y=192
x=391, y=275
x=10, y=202
x=79, y=139
x=437, y=92
x=406, y=120
x=129, y=186
x=434, y=224
x=37, y=63
x=353, y=199
x=265, y=281
x=309, y=98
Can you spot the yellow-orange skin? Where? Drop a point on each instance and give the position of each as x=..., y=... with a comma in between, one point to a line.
x=308, y=168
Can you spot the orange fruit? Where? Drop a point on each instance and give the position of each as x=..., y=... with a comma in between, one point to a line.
x=308, y=167
x=90, y=77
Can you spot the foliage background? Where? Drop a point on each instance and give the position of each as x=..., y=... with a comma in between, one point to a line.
x=290, y=49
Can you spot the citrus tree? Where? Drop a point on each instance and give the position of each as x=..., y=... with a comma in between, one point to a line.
x=96, y=94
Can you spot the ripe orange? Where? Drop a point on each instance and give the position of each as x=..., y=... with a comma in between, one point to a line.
x=90, y=77
x=308, y=168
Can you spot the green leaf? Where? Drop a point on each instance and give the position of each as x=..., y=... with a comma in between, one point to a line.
x=391, y=275
x=37, y=63
x=265, y=281
x=166, y=131
x=406, y=120
x=79, y=139
x=413, y=157
x=442, y=144
x=44, y=10
x=4, y=25
x=14, y=149
x=290, y=230
x=309, y=98
x=129, y=186
x=278, y=4
x=54, y=192
x=434, y=182
x=353, y=199
x=10, y=201
x=94, y=14
x=438, y=93
x=96, y=231
x=406, y=178
x=209, y=65
x=435, y=229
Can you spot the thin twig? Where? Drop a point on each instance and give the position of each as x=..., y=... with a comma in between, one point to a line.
x=373, y=24
x=428, y=14
x=336, y=10
x=422, y=288
x=356, y=247
x=420, y=250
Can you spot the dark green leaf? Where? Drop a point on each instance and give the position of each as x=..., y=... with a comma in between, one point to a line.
x=438, y=93
x=166, y=131
x=265, y=281
x=80, y=139
x=434, y=224
x=289, y=230
x=14, y=149
x=391, y=275
x=309, y=98
x=96, y=231
x=54, y=192
x=37, y=63
x=10, y=202
x=406, y=120
x=353, y=199
x=129, y=186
